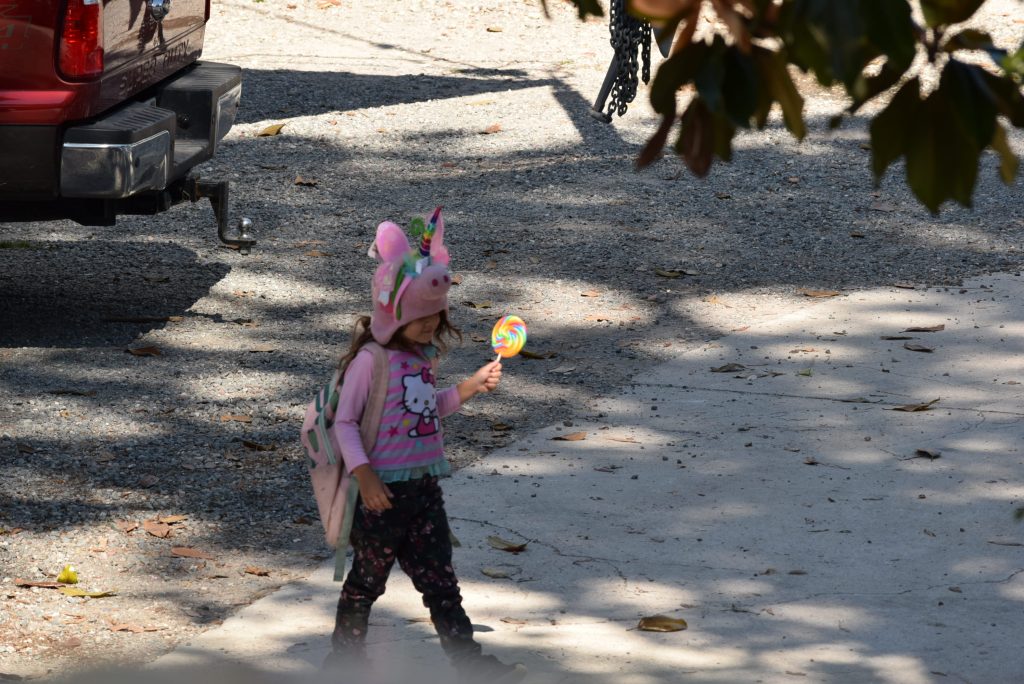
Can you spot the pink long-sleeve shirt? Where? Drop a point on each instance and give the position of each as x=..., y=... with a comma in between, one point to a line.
x=410, y=440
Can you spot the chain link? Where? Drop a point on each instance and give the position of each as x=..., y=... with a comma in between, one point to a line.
x=627, y=34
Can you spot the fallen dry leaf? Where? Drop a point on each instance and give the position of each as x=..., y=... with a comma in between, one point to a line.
x=487, y=304
x=666, y=273
x=259, y=572
x=729, y=368
x=274, y=129
x=818, y=293
x=913, y=408
x=503, y=545
x=494, y=29
x=590, y=293
x=157, y=529
x=628, y=440
x=263, y=349
x=571, y=437
x=145, y=351
x=661, y=623
x=457, y=279
x=18, y=582
x=490, y=130
x=306, y=182
x=318, y=253
x=928, y=328
x=896, y=337
x=171, y=519
x=229, y=418
x=127, y=526
x=917, y=347
x=131, y=627
x=495, y=573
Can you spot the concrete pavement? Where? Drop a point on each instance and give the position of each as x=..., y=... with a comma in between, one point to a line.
x=783, y=508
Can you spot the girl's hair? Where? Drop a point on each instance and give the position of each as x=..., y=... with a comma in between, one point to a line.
x=361, y=334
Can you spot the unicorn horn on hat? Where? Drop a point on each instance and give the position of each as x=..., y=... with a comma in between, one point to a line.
x=432, y=240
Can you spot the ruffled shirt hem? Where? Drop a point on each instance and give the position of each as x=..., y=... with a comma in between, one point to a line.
x=436, y=469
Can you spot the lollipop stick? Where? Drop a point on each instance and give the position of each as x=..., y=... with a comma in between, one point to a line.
x=497, y=358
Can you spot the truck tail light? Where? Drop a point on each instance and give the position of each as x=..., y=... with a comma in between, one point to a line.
x=81, y=40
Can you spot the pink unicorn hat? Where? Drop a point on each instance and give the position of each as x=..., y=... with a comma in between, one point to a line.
x=409, y=283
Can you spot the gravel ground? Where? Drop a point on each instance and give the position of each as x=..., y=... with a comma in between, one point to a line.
x=386, y=109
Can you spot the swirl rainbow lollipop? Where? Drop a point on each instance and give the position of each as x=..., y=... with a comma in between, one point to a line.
x=508, y=336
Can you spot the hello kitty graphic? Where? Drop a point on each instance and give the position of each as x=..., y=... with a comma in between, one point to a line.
x=419, y=399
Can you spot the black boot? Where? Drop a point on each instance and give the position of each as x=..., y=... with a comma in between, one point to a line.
x=348, y=642
x=473, y=667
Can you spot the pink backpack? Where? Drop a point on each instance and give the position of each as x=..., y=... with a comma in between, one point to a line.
x=335, y=490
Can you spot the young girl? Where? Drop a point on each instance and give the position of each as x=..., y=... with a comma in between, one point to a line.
x=401, y=515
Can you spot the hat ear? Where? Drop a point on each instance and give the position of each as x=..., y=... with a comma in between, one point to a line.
x=438, y=252
x=390, y=243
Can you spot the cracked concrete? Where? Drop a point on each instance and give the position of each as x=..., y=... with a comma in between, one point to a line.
x=797, y=531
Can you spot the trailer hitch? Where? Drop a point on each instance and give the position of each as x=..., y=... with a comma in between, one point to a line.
x=217, y=192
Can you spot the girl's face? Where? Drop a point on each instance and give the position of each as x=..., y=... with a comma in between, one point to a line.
x=422, y=330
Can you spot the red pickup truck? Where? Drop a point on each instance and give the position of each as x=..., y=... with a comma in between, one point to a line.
x=105, y=110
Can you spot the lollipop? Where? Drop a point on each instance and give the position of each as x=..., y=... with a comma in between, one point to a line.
x=508, y=336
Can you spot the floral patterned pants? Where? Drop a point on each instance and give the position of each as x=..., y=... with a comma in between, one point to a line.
x=415, y=533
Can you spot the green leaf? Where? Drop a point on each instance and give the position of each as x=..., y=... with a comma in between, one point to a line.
x=740, y=88
x=724, y=131
x=972, y=105
x=1006, y=96
x=968, y=39
x=830, y=38
x=942, y=163
x=943, y=12
x=775, y=76
x=1013, y=64
x=888, y=24
x=1008, y=162
x=890, y=127
x=674, y=73
x=867, y=88
x=710, y=75
x=696, y=143
x=585, y=8
x=657, y=142
x=804, y=44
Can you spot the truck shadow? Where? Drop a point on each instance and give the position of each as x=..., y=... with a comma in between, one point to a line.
x=104, y=293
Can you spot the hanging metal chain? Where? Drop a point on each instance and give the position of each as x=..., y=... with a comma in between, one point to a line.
x=628, y=34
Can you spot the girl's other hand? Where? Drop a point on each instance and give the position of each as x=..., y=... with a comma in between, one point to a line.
x=375, y=494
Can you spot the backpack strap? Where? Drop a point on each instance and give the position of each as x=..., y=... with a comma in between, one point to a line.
x=369, y=425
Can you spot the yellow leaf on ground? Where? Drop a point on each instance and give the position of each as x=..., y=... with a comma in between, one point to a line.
x=74, y=591
x=502, y=545
x=274, y=129
x=68, y=575
x=661, y=623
